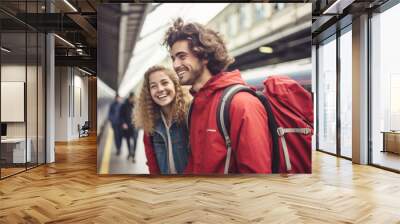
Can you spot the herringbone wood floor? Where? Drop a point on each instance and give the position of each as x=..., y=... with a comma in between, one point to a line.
x=70, y=191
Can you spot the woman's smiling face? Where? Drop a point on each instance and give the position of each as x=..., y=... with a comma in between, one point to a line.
x=162, y=89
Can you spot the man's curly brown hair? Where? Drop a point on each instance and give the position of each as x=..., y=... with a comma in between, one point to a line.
x=204, y=43
x=147, y=112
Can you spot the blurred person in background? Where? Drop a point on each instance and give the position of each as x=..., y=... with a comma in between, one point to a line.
x=161, y=112
x=200, y=58
x=129, y=131
x=114, y=118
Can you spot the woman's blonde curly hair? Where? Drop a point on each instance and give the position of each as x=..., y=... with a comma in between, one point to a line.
x=147, y=111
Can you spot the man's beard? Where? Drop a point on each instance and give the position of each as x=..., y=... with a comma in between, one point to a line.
x=194, y=75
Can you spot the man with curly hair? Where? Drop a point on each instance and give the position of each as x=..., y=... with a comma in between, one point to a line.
x=200, y=58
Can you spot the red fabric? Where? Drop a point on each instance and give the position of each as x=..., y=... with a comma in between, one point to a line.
x=150, y=155
x=251, y=141
x=292, y=107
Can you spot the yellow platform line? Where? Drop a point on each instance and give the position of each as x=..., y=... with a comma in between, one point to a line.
x=105, y=162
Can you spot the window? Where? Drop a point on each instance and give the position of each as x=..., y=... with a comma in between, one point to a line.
x=222, y=28
x=22, y=65
x=233, y=25
x=279, y=6
x=245, y=16
x=385, y=88
x=327, y=96
x=346, y=94
x=259, y=11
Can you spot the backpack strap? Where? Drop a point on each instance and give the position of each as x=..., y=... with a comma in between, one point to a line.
x=281, y=132
x=223, y=119
x=223, y=122
x=273, y=127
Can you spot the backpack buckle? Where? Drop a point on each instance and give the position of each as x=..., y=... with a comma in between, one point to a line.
x=307, y=131
x=281, y=131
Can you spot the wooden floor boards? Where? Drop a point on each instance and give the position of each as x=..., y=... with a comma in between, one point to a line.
x=70, y=191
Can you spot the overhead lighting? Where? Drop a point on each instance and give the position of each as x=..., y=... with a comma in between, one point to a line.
x=70, y=5
x=266, y=50
x=337, y=7
x=84, y=71
x=5, y=50
x=80, y=51
x=78, y=44
x=64, y=40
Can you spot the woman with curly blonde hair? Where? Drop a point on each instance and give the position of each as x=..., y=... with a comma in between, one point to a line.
x=161, y=113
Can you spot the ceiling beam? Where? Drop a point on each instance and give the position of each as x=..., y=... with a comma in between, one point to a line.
x=84, y=61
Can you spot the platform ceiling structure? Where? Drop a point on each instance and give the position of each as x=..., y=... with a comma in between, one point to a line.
x=75, y=24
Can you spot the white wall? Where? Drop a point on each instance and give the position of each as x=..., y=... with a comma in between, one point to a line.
x=16, y=73
x=61, y=103
x=33, y=125
x=71, y=94
x=12, y=73
x=80, y=108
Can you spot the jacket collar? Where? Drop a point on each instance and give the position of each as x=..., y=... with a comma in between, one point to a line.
x=160, y=127
x=218, y=82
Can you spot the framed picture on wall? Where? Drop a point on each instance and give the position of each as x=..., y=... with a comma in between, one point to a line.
x=192, y=54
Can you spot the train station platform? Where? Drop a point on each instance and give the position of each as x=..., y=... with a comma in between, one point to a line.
x=108, y=162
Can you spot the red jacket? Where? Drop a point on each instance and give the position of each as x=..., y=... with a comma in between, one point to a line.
x=251, y=140
x=150, y=155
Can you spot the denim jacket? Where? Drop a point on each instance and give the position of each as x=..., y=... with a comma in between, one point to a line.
x=180, y=146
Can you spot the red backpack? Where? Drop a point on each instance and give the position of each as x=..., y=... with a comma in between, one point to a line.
x=290, y=114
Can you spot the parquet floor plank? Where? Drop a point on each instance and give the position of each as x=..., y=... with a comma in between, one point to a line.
x=70, y=191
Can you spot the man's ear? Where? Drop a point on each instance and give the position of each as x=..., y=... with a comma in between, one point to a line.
x=205, y=61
